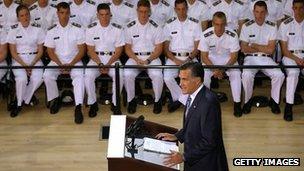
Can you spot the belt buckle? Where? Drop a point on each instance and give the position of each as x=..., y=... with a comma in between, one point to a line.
x=106, y=52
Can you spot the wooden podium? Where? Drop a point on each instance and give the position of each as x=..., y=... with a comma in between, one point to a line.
x=120, y=158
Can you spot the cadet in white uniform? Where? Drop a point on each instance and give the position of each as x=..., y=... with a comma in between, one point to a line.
x=65, y=46
x=103, y=50
x=182, y=34
x=83, y=12
x=235, y=10
x=258, y=38
x=122, y=12
x=199, y=10
x=3, y=51
x=43, y=14
x=8, y=14
x=291, y=34
x=26, y=47
x=143, y=46
x=219, y=45
x=161, y=11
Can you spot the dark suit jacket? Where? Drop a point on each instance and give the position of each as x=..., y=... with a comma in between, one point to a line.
x=202, y=134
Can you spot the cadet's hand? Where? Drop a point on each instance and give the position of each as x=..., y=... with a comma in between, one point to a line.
x=299, y=61
x=140, y=62
x=173, y=159
x=105, y=70
x=66, y=70
x=178, y=62
x=218, y=74
x=166, y=137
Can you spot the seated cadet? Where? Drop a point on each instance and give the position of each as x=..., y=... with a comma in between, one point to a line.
x=3, y=51
x=26, y=47
x=219, y=45
x=122, y=12
x=143, y=47
x=292, y=43
x=65, y=47
x=103, y=50
x=182, y=34
x=8, y=14
x=199, y=10
x=83, y=12
x=161, y=11
x=258, y=39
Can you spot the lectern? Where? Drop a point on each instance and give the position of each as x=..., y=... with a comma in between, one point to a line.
x=121, y=158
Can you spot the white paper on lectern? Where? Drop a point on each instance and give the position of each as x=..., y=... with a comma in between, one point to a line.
x=116, y=143
x=159, y=146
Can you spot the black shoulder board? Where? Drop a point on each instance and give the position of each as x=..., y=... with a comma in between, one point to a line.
x=230, y=33
x=117, y=25
x=92, y=25
x=202, y=1
x=70, y=3
x=53, y=5
x=91, y=2
x=279, y=0
x=171, y=20
x=288, y=20
x=153, y=23
x=109, y=3
x=14, y=26
x=193, y=19
x=165, y=3
x=208, y=34
x=1, y=2
x=131, y=24
x=249, y=23
x=1, y=26
x=270, y=23
x=33, y=7
x=129, y=5
x=216, y=3
x=76, y=25
x=17, y=2
x=50, y=28
x=239, y=2
x=36, y=25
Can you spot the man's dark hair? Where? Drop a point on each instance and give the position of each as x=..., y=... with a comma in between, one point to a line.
x=63, y=5
x=261, y=4
x=143, y=3
x=196, y=68
x=180, y=2
x=103, y=6
x=21, y=7
x=221, y=15
x=298, y=1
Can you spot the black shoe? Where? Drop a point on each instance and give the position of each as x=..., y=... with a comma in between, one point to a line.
x=237, y=109
x=275, y=108
x=157, y=107
x=15, y=111
x=34, y=101
x=55, y=105
x=78, y=115
x=115, y=110
x=247, y=107
x=132, y=106
x=93, y=110
x=288, y=112
x=173, y=106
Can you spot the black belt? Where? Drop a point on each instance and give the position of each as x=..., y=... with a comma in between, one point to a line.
x=181, y=53
x=30, y=53
x=143, y=53
x=105, y=53
x=297, y=51
x=254, y=54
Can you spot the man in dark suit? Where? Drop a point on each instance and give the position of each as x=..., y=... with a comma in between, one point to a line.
x=202, y=130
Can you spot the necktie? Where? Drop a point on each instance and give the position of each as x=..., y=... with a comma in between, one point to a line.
x=188, y=104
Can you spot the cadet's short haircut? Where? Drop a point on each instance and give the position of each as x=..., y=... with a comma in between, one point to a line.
x=220, y=15
x=63, y=5
x=21, y=7
x=261, y=4
x=196, y=68
x=180, y=2
x=298, y=1
x=143, y=3
x=103, y=6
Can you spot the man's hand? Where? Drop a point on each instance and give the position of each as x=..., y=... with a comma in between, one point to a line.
x=140, y=62
x=65, y=70
x=299, y=61
x=105, y=70
x=173, y=159
x=178, y=62
x=166, y=137
x=218, y=74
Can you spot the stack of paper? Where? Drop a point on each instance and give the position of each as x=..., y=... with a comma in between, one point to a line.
x=159, y=146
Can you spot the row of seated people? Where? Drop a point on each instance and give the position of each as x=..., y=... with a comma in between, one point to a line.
x=143, y=41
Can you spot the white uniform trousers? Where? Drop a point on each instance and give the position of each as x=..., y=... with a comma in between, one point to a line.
x=156, y=76
x=233, y=74
x=77, y=75
x=92, y=73
x=26, y=87
x=276, y=76
x=292, y=78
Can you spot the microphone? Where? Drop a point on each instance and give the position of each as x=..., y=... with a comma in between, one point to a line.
x=135, y=126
